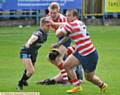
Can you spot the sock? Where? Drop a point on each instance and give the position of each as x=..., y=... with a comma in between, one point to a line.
x=24, y=77
x=101, y=85
x=63, y=72
x=75, y=82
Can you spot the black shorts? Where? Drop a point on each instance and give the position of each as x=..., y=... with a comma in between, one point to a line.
x=26, y=53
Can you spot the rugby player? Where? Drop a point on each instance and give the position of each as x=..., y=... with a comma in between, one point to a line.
x=29, y=52
x=57, y=19
x=85, y=54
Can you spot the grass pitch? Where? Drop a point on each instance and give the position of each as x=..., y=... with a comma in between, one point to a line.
x=105, y=38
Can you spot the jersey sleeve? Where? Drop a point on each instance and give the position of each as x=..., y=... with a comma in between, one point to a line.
x=37, y=33
x=67, y=29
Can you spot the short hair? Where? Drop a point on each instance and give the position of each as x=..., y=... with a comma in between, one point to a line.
x=44, y=20
x=74, y=11
x=54, y=5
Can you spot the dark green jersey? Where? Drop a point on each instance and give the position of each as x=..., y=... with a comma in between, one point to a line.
x=42, y=37
x=32, y=51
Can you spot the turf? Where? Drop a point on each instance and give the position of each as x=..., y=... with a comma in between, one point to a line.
x=105, y=38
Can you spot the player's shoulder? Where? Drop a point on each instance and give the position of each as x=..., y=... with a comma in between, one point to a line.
x=77, y=23
x=80, y=22
x=62, y=18
x=73, y=23
x=39, y=32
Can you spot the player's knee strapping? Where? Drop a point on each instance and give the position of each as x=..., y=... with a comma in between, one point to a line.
x=53, y=54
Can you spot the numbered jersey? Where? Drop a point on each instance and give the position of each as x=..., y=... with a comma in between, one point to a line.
x=78, y=34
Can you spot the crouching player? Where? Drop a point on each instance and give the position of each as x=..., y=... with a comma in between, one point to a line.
x=54, y=53
x=28, y=53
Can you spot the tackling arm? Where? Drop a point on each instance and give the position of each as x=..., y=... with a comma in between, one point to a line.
x=62, y=41
x=57, y=23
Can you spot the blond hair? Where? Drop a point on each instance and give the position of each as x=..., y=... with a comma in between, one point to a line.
x=44, y=20
x=54, y=5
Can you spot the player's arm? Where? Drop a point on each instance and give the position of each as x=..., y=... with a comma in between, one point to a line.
x=63, y=30
x=60, y=32
x=60, y=42
x=57, y=23
x=31, y=40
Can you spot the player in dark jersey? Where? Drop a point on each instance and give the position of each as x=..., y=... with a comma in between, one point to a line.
x=29, y=52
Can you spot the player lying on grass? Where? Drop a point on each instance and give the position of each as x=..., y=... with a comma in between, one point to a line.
x=85, y=54
x=29, y=52
x=58, y=19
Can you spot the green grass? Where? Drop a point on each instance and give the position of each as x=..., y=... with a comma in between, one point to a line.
x=105, y=38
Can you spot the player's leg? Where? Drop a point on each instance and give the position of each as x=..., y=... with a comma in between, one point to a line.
x=28, y=64
x=58, y=62
x=58, y=78
x=56, y=59
x=69, y=64
x=92, y=77
x=51, y=81
x=80, y=73
x=90, y=67
x=29, y=70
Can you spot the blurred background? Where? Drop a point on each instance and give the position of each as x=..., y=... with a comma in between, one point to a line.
x=28, y=12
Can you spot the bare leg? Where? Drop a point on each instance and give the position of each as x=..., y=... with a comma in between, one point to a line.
x=58, y=77
x=71, y=62
x=29, y=70
x=93, y=78
x=28, y=66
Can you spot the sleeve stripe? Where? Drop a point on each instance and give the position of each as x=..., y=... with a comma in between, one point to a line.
x=69, y=29
x=65, y=31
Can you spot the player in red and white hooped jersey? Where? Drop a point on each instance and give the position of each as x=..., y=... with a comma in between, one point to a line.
x=80, y=37
x=85, y=53
x=58, y=19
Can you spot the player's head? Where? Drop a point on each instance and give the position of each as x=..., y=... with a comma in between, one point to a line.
x=71, y=14
x=54, y=10
x=45, y=24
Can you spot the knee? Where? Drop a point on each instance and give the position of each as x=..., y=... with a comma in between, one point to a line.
x=66, y=66
x=30, y=72
x=89, y=77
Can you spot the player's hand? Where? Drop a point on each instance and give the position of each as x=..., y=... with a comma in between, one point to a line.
x=52, y=22
x=55, y=45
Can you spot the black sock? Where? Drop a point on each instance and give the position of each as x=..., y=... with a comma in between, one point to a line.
x=24, y=78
